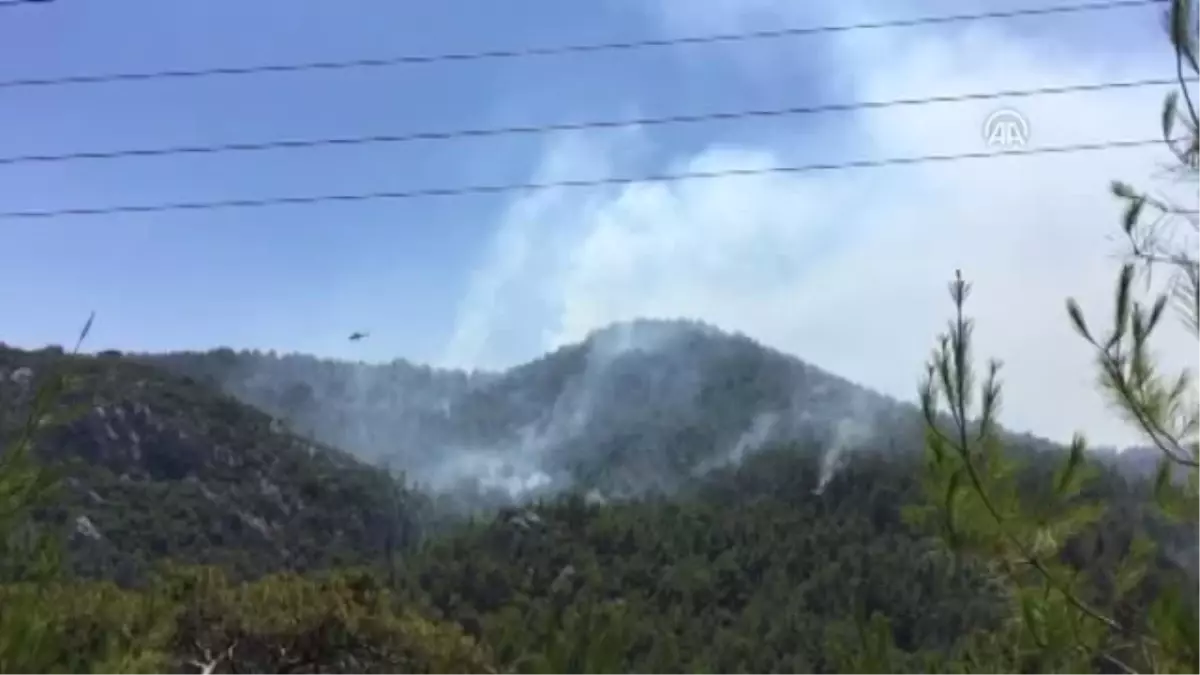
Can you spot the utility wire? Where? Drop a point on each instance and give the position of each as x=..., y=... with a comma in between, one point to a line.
x=528, y=52
x=20, y=3
x=579, y=183
x=293, y=144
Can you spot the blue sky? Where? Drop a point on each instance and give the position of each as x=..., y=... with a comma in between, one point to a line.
x=279, y=277
x=494, y=280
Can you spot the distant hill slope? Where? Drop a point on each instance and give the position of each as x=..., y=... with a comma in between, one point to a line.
x=159, y=465
x=636, y=406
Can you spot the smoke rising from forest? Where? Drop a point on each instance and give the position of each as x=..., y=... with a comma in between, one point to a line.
x=637, y=406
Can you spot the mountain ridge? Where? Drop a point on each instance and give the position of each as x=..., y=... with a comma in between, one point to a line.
x=560, y=418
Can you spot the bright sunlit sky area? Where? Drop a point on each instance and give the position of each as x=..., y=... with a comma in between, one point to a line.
x=845, y=269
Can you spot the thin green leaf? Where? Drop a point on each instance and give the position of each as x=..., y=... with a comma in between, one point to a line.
x=1122, y=307
x=1122, y=190
x=1156, y=312
x=1168, y=113
x=1070, y=469
x=1076, y=315
x=1132, y=213
x=83, y=333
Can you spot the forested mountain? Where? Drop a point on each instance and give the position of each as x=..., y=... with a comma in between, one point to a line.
x=636, y=406
x=706, y=505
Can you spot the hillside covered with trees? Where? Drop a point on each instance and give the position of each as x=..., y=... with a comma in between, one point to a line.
x=769, y=564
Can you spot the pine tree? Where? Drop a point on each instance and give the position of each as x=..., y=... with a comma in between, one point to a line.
x=1064, y=618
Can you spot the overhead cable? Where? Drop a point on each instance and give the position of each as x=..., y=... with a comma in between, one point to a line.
x=21, y=3
x=469, y=190
x=415, y=136
x=563, y=50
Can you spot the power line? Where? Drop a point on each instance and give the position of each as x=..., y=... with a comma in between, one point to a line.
x=293, y=144
x=582, y=183
x=20, y=3
x=528, y=52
